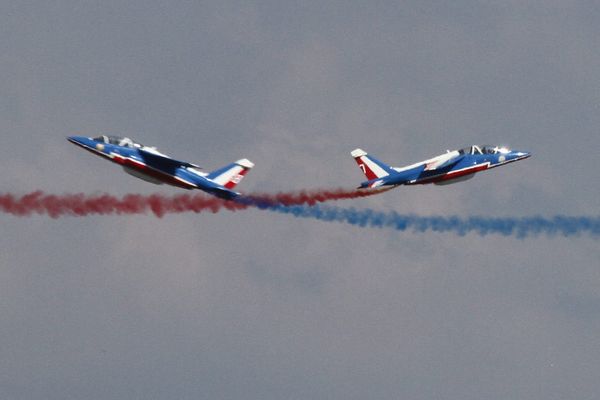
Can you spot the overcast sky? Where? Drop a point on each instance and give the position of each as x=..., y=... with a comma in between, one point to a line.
x=257, y=305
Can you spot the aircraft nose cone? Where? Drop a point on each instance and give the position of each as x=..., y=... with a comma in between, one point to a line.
x=74, y=139
x=520, y=155
x=79, y=140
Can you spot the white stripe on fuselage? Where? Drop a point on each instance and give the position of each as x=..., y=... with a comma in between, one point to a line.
x=487, y=164
x=454, y=172
x=454, y=153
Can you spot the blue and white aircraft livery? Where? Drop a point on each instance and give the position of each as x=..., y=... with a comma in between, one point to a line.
x=149, y=164
x=454, y=166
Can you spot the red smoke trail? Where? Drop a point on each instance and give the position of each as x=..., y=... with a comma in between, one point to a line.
x=104, y=204
x=309, y=198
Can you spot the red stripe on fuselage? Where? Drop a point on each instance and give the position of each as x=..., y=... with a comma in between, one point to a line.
x=454, y=174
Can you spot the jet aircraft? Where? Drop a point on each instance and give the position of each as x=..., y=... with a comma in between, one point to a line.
x=454, y=166
x=150, y=165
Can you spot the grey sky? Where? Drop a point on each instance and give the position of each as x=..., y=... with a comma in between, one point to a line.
x=255, y=305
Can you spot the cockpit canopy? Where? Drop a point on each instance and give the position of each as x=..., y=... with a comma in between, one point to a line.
x=485, y=149
x=118, y=141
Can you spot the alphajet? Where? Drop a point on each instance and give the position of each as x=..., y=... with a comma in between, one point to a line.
x=454, y=166
x=150, y=165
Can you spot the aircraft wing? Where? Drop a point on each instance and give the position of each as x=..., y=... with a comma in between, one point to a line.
x=163, y=162
x=444, y=161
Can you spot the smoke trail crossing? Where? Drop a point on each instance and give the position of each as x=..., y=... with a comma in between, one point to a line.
x=303, y=197
x=520, y=227
x=303, y=204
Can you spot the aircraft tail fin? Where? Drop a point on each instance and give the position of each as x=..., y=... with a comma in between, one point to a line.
x=371, y=167
x=232, y=174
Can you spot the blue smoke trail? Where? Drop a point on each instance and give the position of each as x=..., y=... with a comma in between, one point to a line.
x=519, y=227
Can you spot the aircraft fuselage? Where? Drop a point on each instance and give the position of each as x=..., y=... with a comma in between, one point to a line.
x=452, y=167
x=148, y=164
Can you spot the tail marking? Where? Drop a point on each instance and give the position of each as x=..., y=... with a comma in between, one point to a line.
x=232, y=174
x=371, y=167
